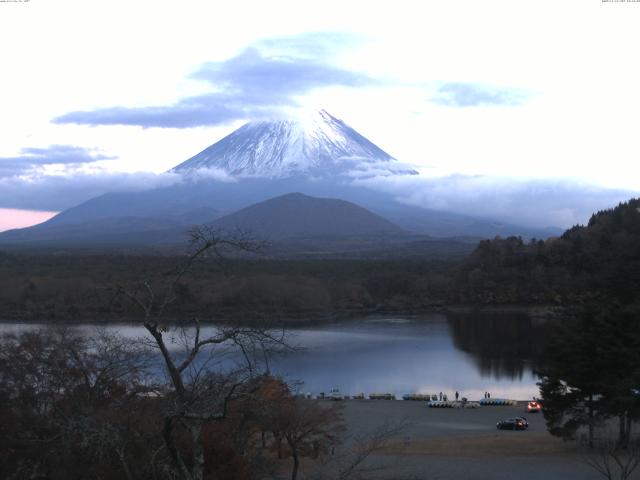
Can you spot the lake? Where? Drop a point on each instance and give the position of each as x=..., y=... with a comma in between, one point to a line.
x=471, y=354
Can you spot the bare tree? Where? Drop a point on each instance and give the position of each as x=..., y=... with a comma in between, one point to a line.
x=350, y=463
x=199, y=396
x=309, y=428
x=613, y=461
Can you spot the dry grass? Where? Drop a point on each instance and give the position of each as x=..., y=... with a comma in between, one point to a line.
x=500, y=444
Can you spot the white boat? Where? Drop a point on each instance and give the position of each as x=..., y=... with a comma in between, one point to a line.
x=334, y=394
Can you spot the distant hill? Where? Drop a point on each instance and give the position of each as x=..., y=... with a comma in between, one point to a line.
x=437, y=223
x=290, y=216
x=140, y=214
x=293, y=225
x=300, y=216
x=110, y=231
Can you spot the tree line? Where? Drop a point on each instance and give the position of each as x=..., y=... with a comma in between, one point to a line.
x=77, y=288
x=589, y=263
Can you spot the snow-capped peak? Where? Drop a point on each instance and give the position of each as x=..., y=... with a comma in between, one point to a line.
x=315, y=144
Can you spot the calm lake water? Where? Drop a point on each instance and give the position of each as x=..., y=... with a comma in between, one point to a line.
x=429, y=354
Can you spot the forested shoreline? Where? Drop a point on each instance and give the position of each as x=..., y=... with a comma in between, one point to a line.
x=76, y=288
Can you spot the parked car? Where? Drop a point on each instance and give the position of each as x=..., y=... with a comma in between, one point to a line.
x=517, y=423
x=533, y=407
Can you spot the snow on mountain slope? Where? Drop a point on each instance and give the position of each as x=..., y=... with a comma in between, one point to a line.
x=316, y=144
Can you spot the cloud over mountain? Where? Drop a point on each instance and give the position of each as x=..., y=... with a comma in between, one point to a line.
x=33, y=158
x=256, y=83
x=533, y=202
x=58, y=192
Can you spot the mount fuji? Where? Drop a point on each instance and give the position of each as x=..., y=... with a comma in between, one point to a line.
x=316, y=155
x=315, y=144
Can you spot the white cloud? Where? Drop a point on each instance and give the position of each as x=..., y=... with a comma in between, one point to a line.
x=58, y=192
x=536, y=203
x=210, y=173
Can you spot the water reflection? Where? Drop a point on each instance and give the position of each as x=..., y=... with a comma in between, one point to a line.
x=433, y=353
x=501, y=346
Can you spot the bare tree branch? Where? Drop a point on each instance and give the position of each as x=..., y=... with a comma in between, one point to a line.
x=199, y=397
x=613, y=461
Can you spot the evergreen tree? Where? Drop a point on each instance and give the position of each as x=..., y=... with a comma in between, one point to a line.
x=569, y=385
x=591, y=372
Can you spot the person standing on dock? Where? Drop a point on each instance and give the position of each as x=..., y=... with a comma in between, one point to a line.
x=440, y=396
x=457, y=395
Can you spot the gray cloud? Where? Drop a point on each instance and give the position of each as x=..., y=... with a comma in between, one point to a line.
x=40, y=191
x=475, y=95
x=534, y=203
x=190, y=112
x=32, y=158
x=58, y=192
x=255, y=83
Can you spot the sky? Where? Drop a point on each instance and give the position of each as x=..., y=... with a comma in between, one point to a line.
x=494, y=102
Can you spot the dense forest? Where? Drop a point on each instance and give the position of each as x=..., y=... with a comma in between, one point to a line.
x=80, y=288
x=587, y=263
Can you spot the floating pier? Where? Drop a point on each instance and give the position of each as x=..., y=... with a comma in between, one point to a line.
x=431, y=400
x=417, y=397
x=498, y=401
x=382, y=396
x=452, y=404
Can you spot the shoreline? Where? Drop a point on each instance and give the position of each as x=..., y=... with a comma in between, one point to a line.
x=535, y=312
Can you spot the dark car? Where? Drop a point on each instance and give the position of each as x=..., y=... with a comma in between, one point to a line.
x=517, y=423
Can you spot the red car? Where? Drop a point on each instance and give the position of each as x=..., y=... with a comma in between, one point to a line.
x=533, y=407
